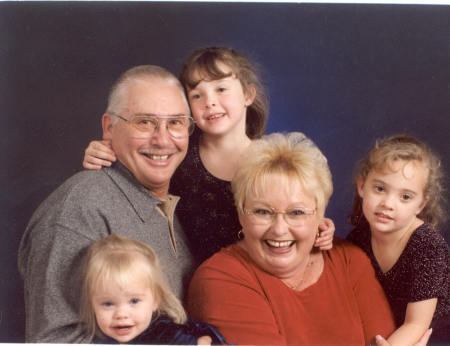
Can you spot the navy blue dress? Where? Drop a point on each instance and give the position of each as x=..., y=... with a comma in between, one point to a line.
x=163, y=331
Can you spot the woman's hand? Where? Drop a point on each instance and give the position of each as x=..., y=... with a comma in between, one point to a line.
x=204, y=340
x=98, y=154
x=326, y=232
x=422, y=342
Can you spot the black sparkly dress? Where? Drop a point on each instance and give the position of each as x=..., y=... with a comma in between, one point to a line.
x=206, y=209
x=421, y=272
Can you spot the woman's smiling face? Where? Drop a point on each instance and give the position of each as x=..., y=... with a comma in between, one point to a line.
x=277, y=247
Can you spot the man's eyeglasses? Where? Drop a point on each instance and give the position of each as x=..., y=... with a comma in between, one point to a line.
x=265, y=216
x=178, y=126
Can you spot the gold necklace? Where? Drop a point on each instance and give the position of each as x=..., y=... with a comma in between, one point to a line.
x=296, y=286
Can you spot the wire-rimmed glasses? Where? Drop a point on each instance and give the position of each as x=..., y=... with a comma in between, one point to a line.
x=266, y=215
x=178, y=126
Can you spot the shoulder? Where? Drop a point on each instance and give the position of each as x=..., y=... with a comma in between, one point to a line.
x=222, y=275
x=231, y=261
x=344, y=249
x=427, y=238
x=426, y=246
x=347, y=257
x=83, y=185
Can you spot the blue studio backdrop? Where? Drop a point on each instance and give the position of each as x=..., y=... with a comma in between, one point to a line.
x=343, y=74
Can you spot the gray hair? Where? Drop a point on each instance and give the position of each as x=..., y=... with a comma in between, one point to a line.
x=138, y=74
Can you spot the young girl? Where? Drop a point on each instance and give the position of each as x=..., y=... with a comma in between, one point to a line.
x=397, y=206
x=230, y=109
x=125, y=298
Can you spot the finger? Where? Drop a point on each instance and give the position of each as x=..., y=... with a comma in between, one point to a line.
x=381, y=341
x=98, y=162
x=107, y=142
x=104, y=146
x=91, y=166
x=424, y=339
x=99, y=154
x=325, y=247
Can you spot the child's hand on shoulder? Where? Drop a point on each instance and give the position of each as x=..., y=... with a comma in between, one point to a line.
x=326, y=232
x=98, y=154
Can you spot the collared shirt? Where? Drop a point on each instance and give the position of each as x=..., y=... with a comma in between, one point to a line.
x=167, y=209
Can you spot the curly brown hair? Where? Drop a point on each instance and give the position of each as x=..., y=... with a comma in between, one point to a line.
x=407, y=148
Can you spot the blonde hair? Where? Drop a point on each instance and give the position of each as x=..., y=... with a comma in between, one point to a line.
x=204, y=62
x=291, y=155
x=138, y=74
x=406, y=148
x=113, y=258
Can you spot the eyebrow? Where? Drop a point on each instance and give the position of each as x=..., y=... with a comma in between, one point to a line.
x=162, y=116
x=402, y=190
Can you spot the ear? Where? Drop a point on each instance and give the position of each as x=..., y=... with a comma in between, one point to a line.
x=250, y=95
x=240, y=217
x=360, y=186
x=422, y=205
x=107, y=125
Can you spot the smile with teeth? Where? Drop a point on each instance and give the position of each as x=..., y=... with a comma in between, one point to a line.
x=274, y=243
x=156, y=157
x=215, y=116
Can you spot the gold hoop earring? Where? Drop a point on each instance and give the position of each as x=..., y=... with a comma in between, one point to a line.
x=240, y=235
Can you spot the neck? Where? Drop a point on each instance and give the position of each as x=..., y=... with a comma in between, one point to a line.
x=160, y=193
x=226, y=142
x=390, y=239
x=307, y=274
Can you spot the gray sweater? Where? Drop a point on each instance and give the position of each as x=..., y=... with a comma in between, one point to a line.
x=88, y=206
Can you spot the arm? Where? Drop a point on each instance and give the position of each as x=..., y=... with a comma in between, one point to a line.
x=233, y=302
x=422, y=342
x=325, y=239
x=417, y=319
x=48, y=261
x=98, y=154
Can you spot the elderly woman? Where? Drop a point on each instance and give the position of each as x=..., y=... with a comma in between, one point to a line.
x=273, y=287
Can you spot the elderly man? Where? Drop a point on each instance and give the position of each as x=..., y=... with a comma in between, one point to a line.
x=148, y=123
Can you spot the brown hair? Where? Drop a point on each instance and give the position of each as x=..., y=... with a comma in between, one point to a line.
x=113, y=258
x=407, y=148
x=204, y=62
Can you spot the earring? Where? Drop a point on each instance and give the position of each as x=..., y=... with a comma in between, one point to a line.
x=240, y=235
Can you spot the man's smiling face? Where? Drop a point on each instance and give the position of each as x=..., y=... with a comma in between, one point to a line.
x=151, y=158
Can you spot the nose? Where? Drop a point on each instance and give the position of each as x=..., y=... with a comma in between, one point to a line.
x=388, y=201
x=161, y=135
x=211, y=100
x=279, y=225
x=121, y=313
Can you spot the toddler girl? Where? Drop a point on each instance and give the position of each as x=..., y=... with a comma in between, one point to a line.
x=230, y=109
x=125, y=298
x=397, y=205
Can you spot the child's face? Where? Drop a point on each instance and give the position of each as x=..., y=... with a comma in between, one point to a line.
x=220, y=106
x=123, y=314
x=392, y=199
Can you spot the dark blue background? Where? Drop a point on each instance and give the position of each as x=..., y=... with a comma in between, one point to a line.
x=342, y=74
